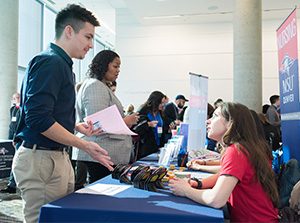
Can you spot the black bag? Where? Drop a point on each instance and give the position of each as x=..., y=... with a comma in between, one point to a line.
x=287, y=214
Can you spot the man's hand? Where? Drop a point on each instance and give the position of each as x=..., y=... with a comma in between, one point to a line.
x=99, y=154
x=87, y=129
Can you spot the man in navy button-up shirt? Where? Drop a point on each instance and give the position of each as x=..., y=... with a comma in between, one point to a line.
x=43, y=172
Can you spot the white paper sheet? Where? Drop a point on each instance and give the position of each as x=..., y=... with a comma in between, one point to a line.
x=200, y=175
x=103, y=189
x=110, y=120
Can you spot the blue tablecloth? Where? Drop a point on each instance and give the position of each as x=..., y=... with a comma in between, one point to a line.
x=131, y=205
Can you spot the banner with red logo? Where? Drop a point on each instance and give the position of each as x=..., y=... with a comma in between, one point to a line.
x=289, y=86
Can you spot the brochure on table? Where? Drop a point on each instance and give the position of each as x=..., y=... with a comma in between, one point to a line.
x=170, y=151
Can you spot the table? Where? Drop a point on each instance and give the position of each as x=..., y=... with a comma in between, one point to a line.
x=131, y=205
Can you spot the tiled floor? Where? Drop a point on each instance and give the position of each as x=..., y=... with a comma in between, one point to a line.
x=10, y=206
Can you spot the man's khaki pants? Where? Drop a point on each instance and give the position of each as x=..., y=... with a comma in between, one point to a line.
x=42, y=176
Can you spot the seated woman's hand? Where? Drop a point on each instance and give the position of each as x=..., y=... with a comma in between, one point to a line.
x=179, y=187
x=200, y=162
x=195, y=163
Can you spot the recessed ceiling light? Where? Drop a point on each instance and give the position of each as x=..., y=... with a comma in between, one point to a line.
x=213, y=7
x=162, y=17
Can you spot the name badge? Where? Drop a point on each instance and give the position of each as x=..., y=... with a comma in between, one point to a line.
x=14, y=119
x=159, y=130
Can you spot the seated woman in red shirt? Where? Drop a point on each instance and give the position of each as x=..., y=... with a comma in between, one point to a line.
x=246, y=180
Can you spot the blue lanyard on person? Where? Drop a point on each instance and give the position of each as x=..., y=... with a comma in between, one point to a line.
x=158, y=129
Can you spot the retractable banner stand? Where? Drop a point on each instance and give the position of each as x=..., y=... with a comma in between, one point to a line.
x=289, y=86
x=197, y=112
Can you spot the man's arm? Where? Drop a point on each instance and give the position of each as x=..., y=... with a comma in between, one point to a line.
x=59, y=134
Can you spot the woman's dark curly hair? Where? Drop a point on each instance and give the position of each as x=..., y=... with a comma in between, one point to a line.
x=99, y=65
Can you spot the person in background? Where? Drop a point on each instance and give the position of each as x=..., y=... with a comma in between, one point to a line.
x=218, y=102
x=271, y=132
x=95, y=95
x=171, y=115
x=14, y=118
x=181, y=114
x=272, y=114
x=130, y=109
x=41, y=166
x=265, y=108
x=210, y=143
x=113, y=86
x=246, y=175
x=149, y=127
x=14, y=115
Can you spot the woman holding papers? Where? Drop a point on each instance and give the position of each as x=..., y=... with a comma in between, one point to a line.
x=95, y=95
x=150, y=124
x=246, y=181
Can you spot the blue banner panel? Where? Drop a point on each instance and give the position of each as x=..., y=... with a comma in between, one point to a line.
x=291, y=139
x=289, y=86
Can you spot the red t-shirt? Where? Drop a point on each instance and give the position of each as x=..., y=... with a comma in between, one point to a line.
x=248, y=202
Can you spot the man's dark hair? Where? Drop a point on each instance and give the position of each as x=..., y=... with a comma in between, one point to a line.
x=273, y=99
x=75, y=16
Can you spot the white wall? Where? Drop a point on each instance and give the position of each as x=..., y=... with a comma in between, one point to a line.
x=160, y=58
x=270, y=60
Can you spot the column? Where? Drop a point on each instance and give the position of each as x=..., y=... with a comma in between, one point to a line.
x=9, y=12
x=247, y=68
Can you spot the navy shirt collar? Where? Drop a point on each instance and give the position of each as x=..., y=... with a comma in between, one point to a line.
x=62, y=53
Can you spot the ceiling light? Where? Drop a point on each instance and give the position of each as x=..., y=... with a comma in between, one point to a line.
x=162, y=17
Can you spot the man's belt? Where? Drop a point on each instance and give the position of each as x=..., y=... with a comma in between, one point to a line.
x=37, y=147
